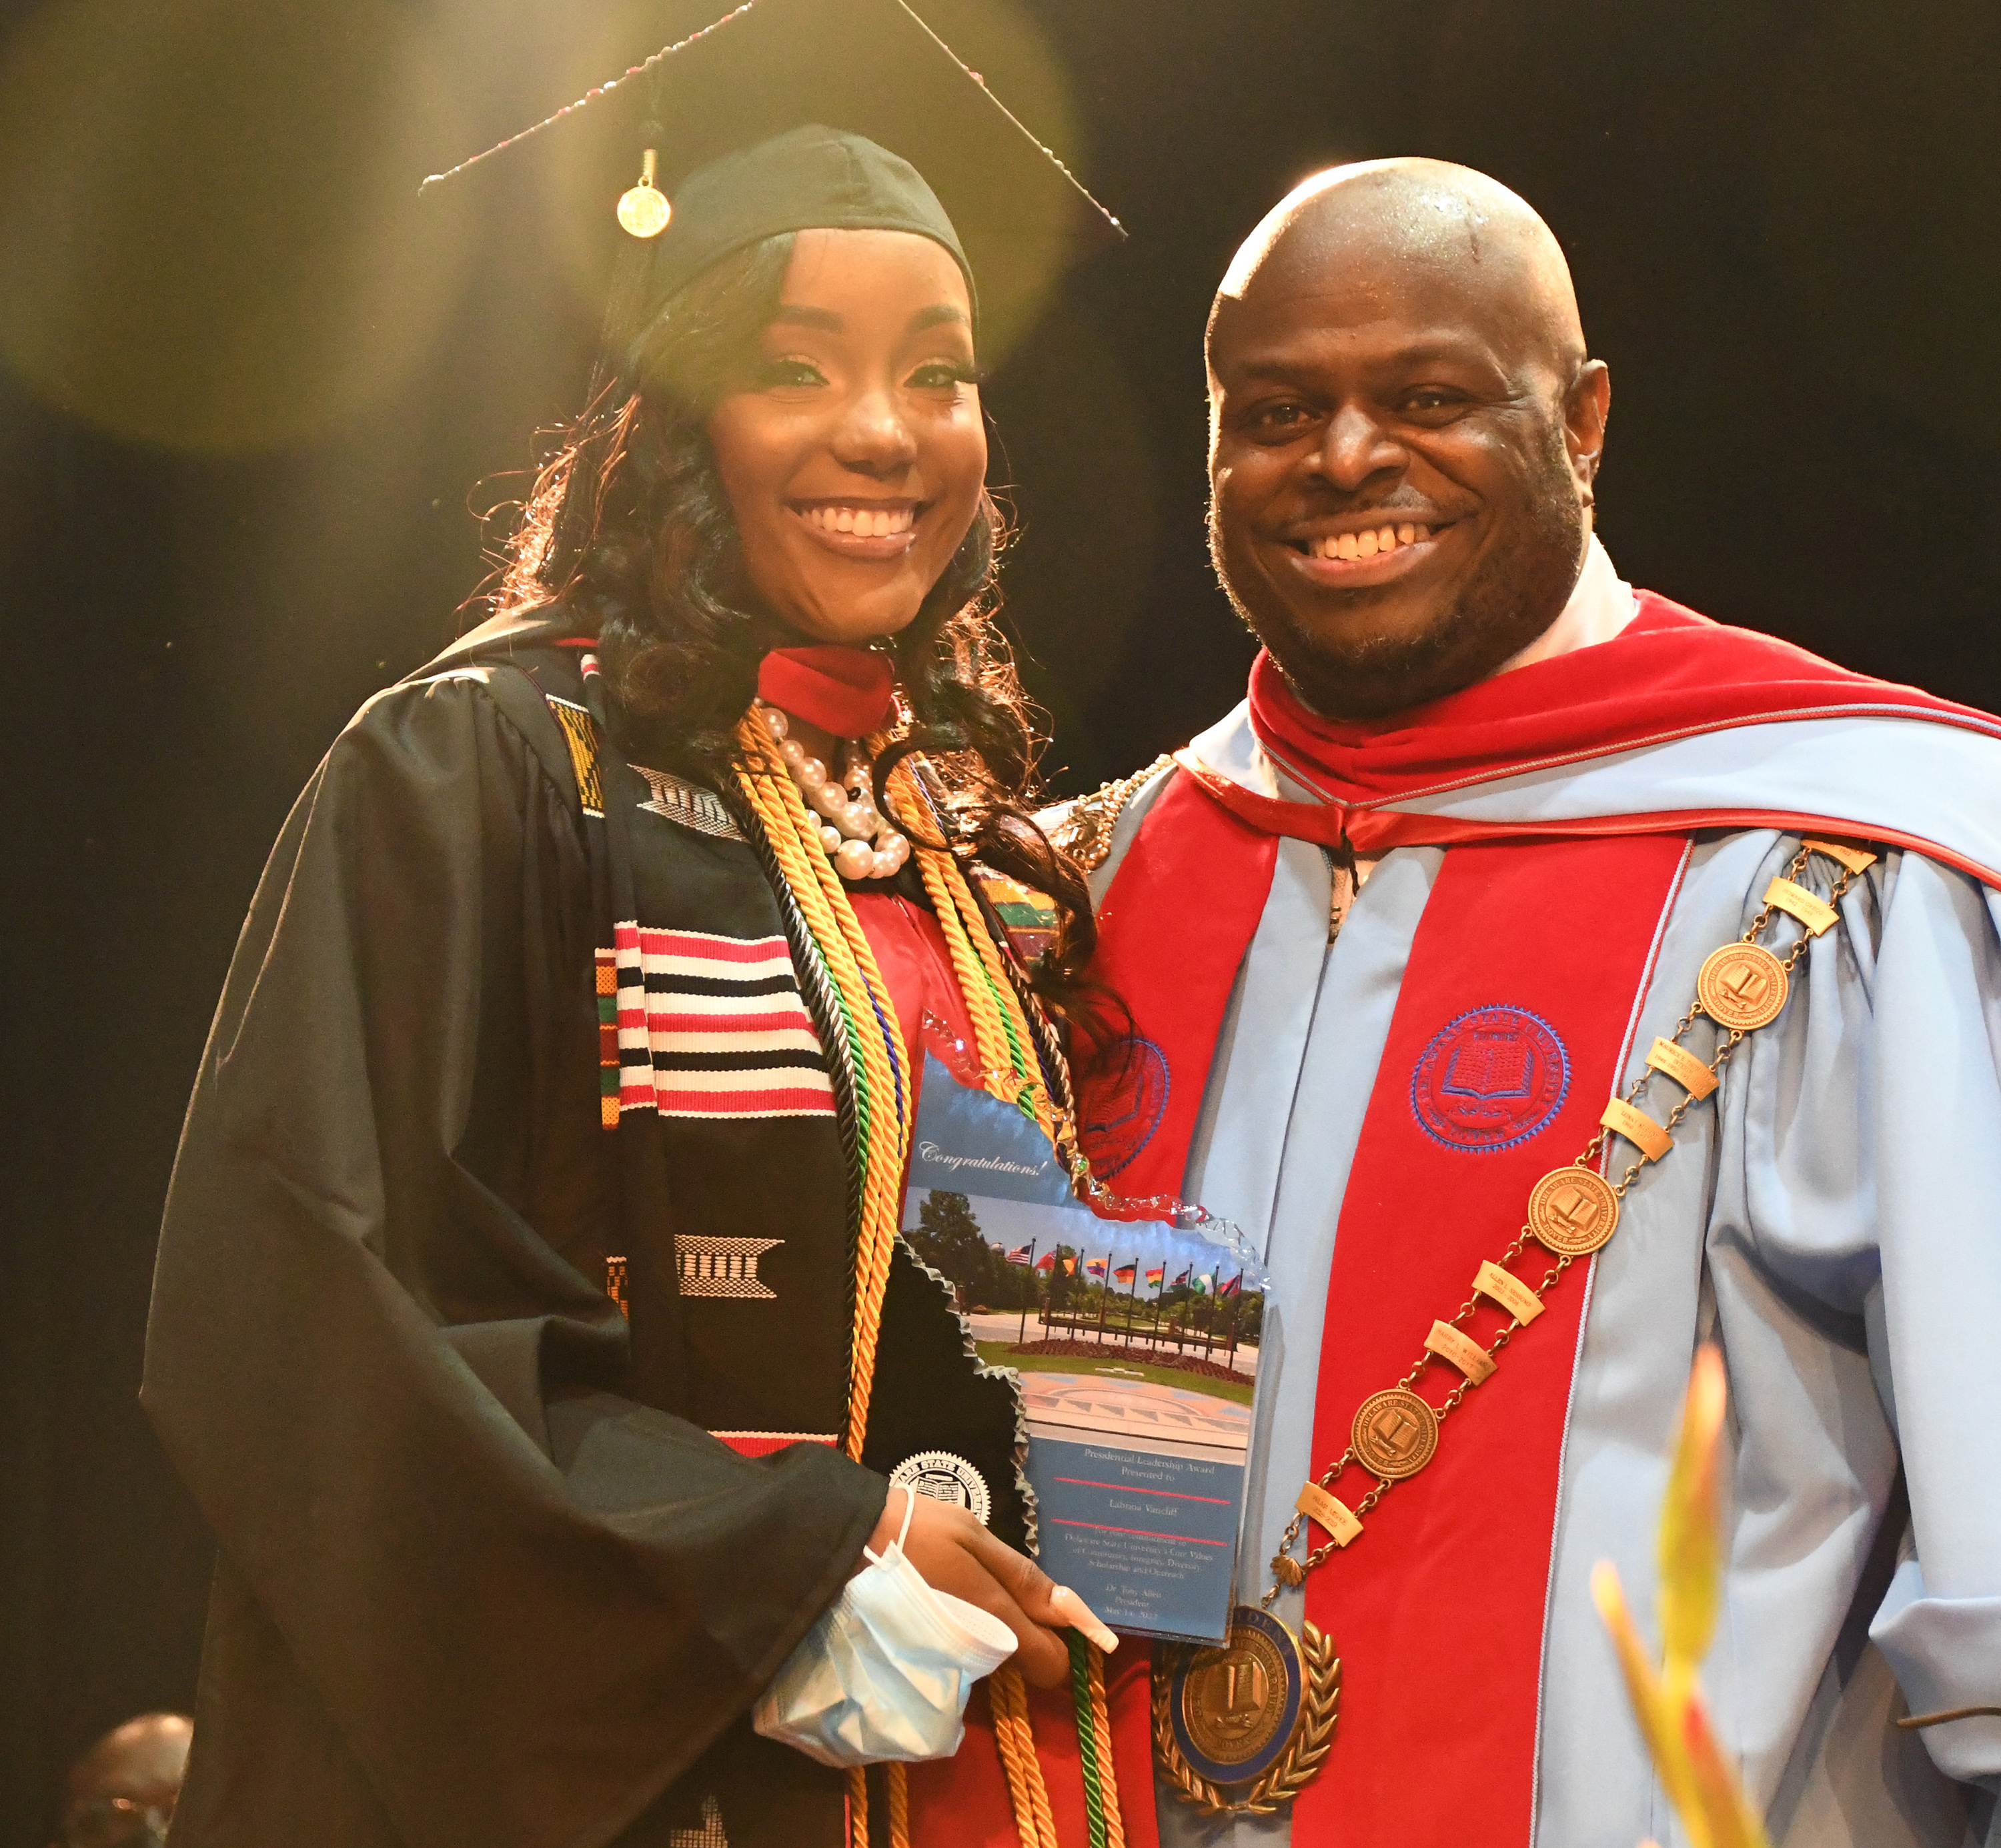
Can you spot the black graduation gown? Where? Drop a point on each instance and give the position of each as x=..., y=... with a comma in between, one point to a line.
x=480, y=1582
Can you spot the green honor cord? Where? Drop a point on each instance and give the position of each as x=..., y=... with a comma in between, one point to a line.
x=1086, y=1739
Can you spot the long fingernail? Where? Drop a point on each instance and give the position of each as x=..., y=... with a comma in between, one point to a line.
x=1085, y=1619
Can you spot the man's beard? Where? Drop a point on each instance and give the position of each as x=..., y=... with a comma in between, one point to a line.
x=1516, y=594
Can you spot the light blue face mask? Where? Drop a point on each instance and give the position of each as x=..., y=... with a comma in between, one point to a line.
x=886, y=1671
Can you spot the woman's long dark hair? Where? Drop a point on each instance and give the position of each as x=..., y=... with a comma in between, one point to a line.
x=629, y=530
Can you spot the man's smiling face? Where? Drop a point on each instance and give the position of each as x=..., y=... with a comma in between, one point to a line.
x=1403, y=434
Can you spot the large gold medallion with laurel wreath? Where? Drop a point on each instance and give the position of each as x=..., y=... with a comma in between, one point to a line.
x=1240, y=1728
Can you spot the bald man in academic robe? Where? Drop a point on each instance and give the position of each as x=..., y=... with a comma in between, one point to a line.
x=1549, y=979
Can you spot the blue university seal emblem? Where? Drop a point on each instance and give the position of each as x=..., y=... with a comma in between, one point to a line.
x=1243, y=1726
x=1235, y=1708
x=1114, y=1143
x=1490, y=1078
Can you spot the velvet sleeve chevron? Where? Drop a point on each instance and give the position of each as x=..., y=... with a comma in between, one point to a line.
x=472, y=1592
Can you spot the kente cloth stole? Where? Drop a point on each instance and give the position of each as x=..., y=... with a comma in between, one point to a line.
x=1512, y=1022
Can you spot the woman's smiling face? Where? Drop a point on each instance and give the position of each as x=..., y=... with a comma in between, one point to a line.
x=855, y=455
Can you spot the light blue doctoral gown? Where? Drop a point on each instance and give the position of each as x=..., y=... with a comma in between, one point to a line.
x=1834, y=1222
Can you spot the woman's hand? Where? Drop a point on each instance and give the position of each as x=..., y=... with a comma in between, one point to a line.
x=954, y=1553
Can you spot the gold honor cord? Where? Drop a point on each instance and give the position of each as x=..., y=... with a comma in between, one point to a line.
x=1914, y=1722
x=1004, y=1045
x=1572, y=1211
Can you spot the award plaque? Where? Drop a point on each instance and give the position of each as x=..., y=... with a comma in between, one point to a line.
x=1132, y=1346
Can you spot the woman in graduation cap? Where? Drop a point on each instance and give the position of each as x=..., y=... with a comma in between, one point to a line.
x=600, y=961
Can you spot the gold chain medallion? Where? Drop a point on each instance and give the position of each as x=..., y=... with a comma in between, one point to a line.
x=1573, y=1210
x=1742, y=987
x=1395, y=1434
x=1242, y=1726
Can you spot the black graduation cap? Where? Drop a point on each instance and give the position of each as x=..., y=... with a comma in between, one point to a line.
x=787, y=114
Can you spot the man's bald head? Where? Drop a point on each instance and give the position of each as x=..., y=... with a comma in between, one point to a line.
x=145, y=1755
x=1416, y=215
x=1396, y=350
x=125, y=1787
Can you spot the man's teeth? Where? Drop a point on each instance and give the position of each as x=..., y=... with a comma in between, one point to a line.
x=868, y=522
x=1365, y=545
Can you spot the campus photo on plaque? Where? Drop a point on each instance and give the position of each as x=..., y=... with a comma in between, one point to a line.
x=1137, y=1343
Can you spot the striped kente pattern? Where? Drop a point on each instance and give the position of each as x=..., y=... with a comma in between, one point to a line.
x=574, y=721
x=722, y=1267
x=714, y=1026
x=701, y=809
x=607, y=1042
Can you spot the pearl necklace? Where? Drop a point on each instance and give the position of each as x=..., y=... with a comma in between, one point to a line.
x=860, y=843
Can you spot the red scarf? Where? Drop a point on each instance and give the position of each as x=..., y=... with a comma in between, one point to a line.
x=1670, y=674
x=847, y=691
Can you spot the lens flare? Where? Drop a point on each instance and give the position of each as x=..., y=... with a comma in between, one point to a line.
x=210, y=238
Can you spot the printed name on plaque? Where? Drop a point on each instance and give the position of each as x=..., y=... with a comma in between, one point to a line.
x=1330, y=1511
x=1462, y=1350
x=1508, y=1290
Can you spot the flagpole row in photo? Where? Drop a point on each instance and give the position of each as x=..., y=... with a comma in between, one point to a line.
x=1022, y=1335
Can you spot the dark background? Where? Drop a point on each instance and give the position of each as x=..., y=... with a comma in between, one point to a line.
x=243, y=401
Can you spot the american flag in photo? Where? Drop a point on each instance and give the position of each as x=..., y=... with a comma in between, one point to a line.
x=716, y=1027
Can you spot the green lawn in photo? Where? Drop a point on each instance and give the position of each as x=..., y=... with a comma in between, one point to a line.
x=1001, y=1353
